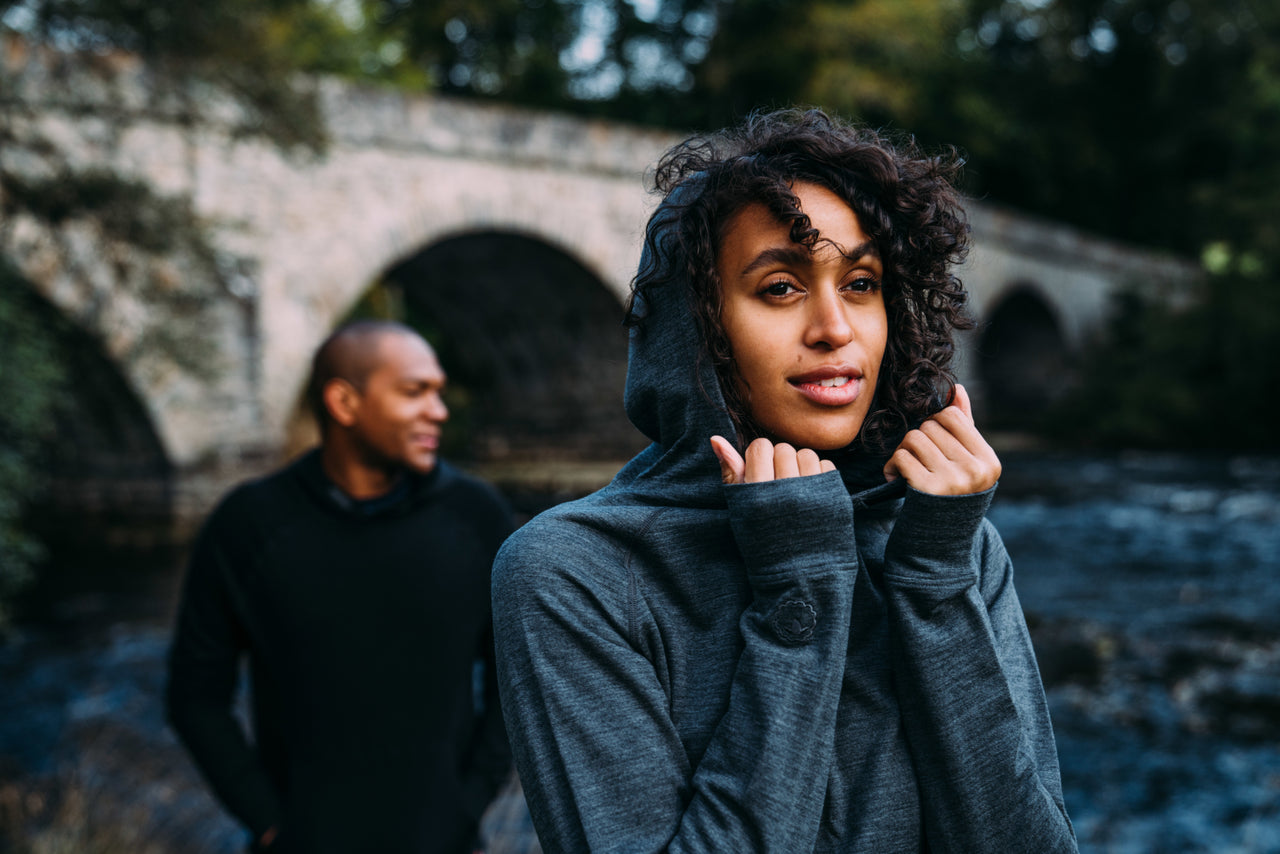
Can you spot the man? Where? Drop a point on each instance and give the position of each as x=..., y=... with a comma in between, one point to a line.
x=356, y=582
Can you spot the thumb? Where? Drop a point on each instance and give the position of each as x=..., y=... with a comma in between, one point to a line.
x=960, y=399
x=732, y=467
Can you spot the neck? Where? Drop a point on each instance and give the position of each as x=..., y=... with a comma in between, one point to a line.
x=355, y=476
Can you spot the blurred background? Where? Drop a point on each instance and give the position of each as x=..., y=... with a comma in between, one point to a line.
x=193, y=195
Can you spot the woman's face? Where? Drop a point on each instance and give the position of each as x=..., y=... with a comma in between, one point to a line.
x=807, y=328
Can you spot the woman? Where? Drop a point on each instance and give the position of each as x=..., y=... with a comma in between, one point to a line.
x=815, y=645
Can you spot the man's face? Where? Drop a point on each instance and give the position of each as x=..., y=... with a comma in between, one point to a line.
x=807, y=329
x=400, y=412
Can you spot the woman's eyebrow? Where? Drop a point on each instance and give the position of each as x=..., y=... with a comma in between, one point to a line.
x=799, y=255
x=865, y=249
x=791, y=256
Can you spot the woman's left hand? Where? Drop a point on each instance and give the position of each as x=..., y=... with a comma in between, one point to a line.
x=946, y=455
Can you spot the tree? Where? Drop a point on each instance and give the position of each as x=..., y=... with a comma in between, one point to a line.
x=1157, y=121
x=873, y=60
x=609, y=57
x=1135, y=119
x=247, y=47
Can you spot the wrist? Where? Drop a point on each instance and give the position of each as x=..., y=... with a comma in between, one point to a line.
x=934, y=532
x=799, y=524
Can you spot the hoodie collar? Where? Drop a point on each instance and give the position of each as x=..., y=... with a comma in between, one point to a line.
x=410, y=490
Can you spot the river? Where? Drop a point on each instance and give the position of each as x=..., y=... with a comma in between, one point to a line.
x=1151, y=585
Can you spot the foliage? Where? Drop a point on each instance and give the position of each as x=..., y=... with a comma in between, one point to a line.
x=1137, y=119
x=153, y=227
x=874, y=60
x=126, y=210
x=588, y=56
x=246, y=47
x=31, y=385
x=1186, y=376
x=507, y=47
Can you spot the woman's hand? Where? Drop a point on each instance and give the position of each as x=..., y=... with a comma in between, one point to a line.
x=766, y=461
x=946, y=455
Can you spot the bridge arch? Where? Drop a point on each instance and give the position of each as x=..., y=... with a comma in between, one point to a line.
x=390, y=213
x=110, y=482
x=1024, y=360
x=532, y=340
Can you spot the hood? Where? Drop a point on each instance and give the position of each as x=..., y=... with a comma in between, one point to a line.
x=673, y=395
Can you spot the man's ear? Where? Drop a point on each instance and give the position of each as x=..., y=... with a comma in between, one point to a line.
x=342, y=400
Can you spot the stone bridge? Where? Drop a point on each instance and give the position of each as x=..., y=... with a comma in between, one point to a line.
x=509, y=235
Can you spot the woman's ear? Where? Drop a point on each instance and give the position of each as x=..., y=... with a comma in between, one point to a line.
x=342, y=400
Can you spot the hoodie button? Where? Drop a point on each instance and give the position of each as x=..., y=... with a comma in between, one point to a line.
x=794, y=621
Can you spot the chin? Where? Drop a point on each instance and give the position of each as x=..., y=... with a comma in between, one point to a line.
x=823, y=447
x=819, y=437
x=422, y=464
x=822, y=444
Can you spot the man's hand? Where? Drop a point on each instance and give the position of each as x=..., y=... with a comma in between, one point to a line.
x=766, y=461
x=946, y=455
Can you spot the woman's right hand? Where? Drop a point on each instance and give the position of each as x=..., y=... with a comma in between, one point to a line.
x=946, y=455
x=766, y=461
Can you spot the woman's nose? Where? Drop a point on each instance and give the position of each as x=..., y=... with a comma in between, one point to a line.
x=828, y=324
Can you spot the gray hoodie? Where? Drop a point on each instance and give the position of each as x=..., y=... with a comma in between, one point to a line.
x=810, y=664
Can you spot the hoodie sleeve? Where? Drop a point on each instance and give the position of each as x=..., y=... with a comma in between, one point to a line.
x=602, y=761
x=972, y=702
x=203, y=672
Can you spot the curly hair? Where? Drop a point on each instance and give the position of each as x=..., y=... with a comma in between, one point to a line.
x=905, y=202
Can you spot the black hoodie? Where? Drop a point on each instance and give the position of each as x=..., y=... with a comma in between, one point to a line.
x=362, y=623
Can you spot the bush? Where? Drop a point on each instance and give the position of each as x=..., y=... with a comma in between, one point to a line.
x=31, y=384
x=1197, y=376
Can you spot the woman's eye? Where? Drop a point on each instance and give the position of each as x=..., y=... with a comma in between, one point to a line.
x=777, y=289
x=864, y=285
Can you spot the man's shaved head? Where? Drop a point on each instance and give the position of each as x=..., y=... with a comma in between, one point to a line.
x=350, y=353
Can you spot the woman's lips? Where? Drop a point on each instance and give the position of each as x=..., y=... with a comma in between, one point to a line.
x=836, y=385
